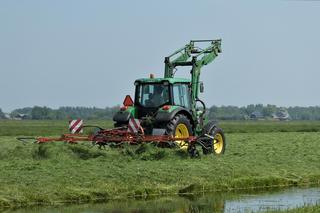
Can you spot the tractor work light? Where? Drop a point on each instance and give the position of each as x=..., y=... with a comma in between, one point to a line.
x=123, y=108
x=166, y=107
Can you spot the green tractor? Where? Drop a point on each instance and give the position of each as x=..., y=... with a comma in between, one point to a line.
x=171, y=106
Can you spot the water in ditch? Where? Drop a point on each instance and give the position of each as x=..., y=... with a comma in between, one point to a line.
x=212, y=202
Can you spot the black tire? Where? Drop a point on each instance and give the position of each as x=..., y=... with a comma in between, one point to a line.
x=216, y=146
x=116, y=125
x=175, y=121
x=193, y=152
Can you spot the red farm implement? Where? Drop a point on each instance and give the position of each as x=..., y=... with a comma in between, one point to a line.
x=120, y=136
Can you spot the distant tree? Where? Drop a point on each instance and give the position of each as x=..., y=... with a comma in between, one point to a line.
x=268, y=110
x=250, y=109
x=40, y=113
x=2, y=116
x=226, y=113
x=25, y=110
x=259, y=107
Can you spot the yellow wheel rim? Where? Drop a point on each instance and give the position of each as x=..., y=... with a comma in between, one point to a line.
x=182, y=132
x=218, y=143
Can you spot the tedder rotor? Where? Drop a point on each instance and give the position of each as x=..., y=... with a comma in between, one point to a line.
x=165, y=111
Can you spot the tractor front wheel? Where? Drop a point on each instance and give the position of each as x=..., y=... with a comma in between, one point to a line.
x=217, y=144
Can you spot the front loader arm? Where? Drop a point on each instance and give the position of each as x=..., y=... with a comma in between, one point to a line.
x=203, y=58
x=181, y=55
x=196, y=57
x=199, y=58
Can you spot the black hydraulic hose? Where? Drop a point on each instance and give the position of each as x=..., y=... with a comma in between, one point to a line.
x=86, y=126
x=203, y=105
x=203, y=112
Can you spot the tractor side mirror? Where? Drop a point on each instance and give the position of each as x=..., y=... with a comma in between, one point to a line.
x=201, y=87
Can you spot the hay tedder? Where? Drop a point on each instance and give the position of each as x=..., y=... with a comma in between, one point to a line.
x=165, y=111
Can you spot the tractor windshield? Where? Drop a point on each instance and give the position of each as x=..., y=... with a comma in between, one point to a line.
x=152, y=95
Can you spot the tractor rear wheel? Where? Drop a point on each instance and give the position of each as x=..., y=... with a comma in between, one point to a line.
x=180, y=127
x=217, y=145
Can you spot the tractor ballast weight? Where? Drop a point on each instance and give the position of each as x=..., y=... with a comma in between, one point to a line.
x=168, y=105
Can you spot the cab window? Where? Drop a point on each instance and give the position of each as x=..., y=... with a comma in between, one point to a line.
x=153, y=95
x=181, y=95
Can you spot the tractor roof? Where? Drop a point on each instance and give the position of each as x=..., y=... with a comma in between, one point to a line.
x=159, y=80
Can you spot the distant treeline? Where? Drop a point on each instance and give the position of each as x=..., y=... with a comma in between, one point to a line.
x=264, y=112
x=251, y=111
x=46, y=113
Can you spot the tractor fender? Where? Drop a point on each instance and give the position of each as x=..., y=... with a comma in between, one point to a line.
x=164, y=117
x=209, y=127
x=121, y=117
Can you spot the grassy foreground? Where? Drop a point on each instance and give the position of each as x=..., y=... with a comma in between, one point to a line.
x=52, y=173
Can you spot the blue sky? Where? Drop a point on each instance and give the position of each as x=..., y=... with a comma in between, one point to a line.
x=88, y=53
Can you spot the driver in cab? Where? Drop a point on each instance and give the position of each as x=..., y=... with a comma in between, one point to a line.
x=160, y=96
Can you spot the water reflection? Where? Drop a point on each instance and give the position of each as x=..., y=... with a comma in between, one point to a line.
x=213, y=202
x=288, y=199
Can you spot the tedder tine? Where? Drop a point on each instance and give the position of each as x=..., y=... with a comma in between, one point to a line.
x=25, y=140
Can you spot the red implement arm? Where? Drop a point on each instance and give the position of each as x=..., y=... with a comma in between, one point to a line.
x=120, y=136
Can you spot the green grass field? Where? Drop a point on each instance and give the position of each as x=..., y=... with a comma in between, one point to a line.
x=264, y=154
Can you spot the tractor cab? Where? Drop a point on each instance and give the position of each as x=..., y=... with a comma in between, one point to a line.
x=154, y=94
x=156, y=101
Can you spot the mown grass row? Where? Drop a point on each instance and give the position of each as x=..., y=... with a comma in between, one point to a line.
x=43, y=128
x=50, y=173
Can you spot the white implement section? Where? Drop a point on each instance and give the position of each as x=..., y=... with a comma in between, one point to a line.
x=76, y=126
x=134, y=125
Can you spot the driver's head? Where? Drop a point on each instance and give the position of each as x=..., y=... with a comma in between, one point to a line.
x=158, y=89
